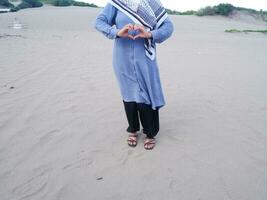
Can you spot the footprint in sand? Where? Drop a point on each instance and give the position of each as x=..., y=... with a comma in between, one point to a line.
x=130, y=154
x=82, y=163
x=48, y=136
x=173, y=138
x=32, y=186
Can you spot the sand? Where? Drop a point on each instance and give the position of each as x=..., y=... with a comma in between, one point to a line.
x=63, y=127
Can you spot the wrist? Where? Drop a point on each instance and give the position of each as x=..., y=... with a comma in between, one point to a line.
x=149, y=34
x=118, y=33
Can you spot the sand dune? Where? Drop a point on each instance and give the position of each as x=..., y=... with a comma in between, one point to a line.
x=63, y=127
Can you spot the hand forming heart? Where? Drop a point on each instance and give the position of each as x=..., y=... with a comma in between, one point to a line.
x=124, y=32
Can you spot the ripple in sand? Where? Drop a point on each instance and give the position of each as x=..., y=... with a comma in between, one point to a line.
x=17, y=24
x=32, y=186
x=82, y=163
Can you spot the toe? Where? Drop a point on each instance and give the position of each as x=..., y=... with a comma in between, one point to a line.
x=149, y=143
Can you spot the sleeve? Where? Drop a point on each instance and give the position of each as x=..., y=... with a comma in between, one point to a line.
x=105, y=21
x=163, y=32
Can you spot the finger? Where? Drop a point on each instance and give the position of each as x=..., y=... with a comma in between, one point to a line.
x=127, y=29
x=138, y=27
x=130, y=26
x=138, y=36
x=141, y=29
x=131, y=37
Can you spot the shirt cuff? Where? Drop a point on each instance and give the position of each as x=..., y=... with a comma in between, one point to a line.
x=155, y=35
x=113, y=32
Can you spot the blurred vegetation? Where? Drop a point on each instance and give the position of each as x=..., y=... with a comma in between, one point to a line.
x=6, y=3
x=23, y=5
x=174, y=12
x=245, y=31
x=189, y=12
x=61, y=2
x=38, y=3
x=28, y=4
x=208, y=10
x=80, y=3
x=34, y=3
x=224, y=9
x=69, y=3
x=221, y=9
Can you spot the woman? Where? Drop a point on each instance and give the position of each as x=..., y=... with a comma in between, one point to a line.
x=136, y=26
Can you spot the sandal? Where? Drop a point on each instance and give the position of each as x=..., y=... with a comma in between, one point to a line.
x=132, y=140
x=149, y=141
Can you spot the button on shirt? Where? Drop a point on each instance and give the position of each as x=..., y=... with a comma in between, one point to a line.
x=137, y=75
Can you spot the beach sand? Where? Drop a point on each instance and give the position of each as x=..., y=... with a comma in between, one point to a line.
x=63, y=126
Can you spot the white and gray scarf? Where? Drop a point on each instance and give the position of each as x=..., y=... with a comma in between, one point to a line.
x=149, y=13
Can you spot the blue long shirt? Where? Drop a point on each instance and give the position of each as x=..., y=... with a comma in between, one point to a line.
x=137, y=75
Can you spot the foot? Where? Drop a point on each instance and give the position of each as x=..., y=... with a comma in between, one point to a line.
x=132, y=139
x=149, y=143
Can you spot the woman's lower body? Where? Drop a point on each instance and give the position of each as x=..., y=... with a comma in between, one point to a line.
x=139, y=81
x=141, y=112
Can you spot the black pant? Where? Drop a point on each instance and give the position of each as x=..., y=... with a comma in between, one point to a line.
x=149, y=118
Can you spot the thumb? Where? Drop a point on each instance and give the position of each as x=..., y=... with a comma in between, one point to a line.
x=137, y=36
